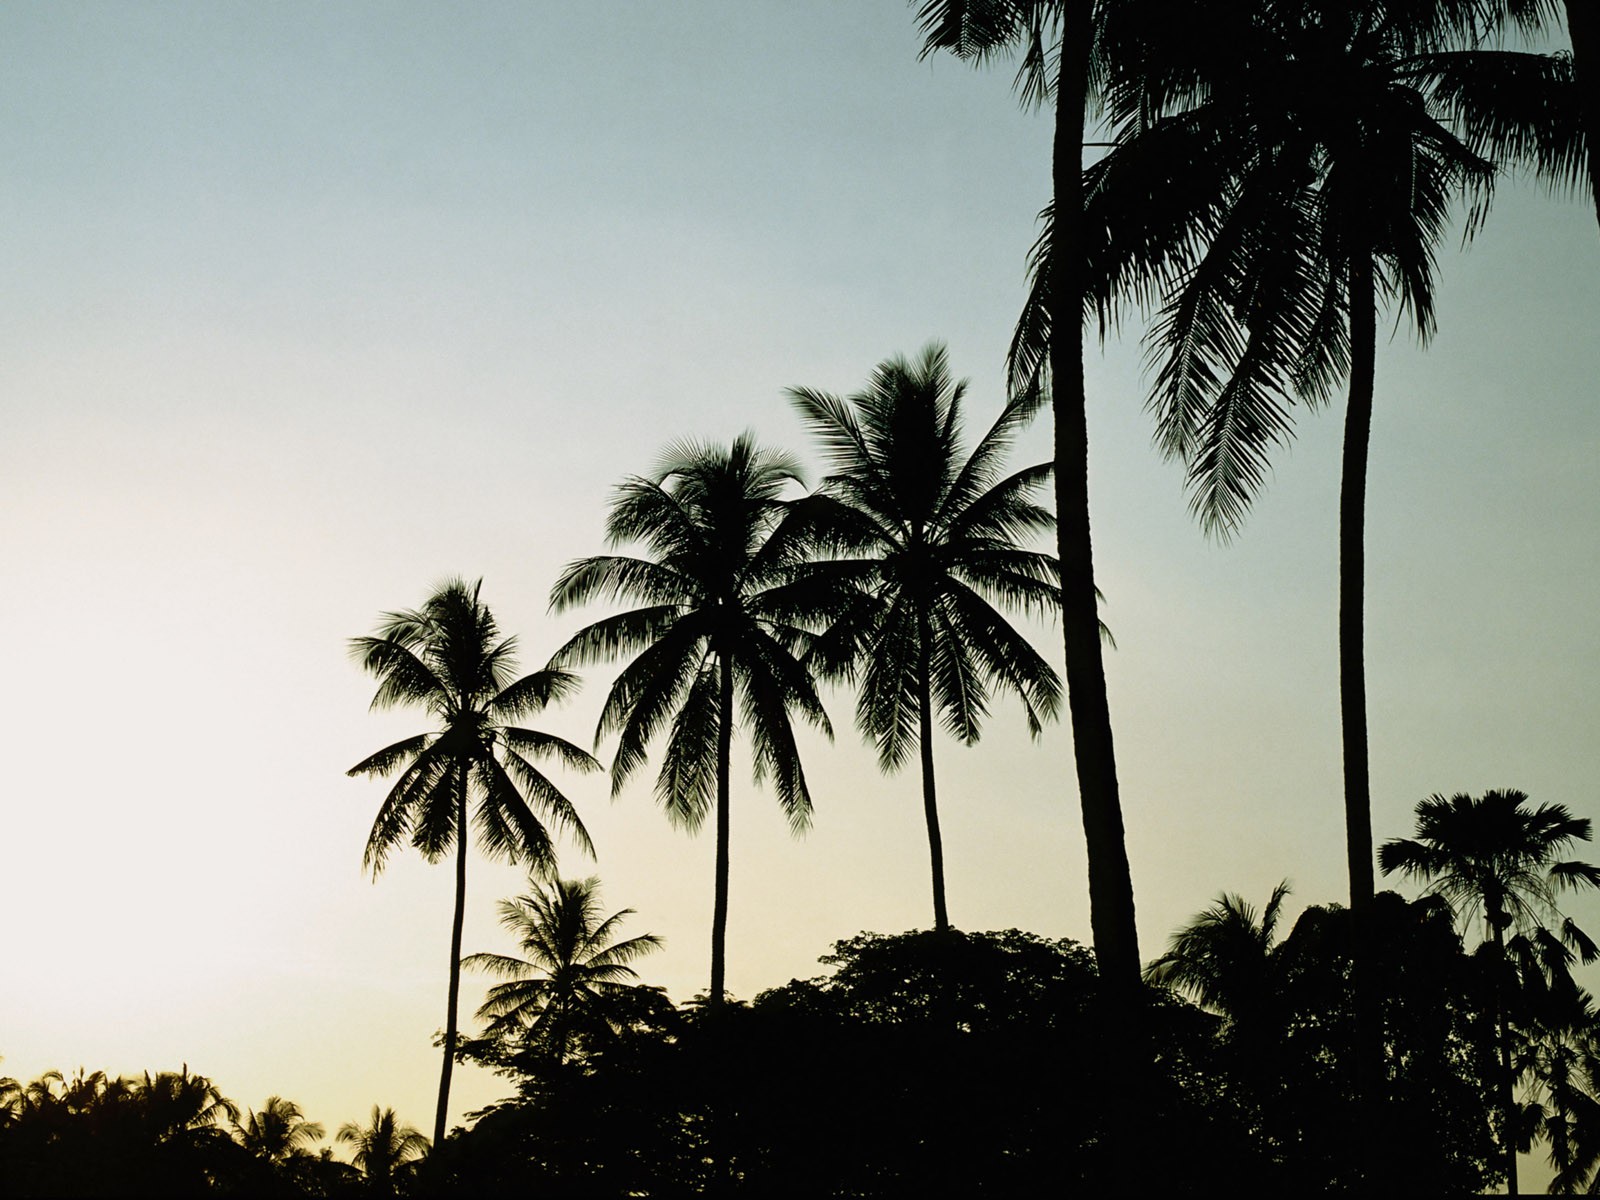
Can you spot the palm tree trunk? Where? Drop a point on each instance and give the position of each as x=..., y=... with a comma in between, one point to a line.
x=1368, y=1047
x=1111, y=915
x=930, y=807
x=1505, y=1086
x=1583, y=27
x=719, y=905
x=455, y=959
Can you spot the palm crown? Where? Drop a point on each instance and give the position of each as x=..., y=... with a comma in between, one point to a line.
x=1496, y=857
x=449, y=658
x=574, y=966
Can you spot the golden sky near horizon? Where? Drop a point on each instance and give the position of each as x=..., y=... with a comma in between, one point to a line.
x=312, y=306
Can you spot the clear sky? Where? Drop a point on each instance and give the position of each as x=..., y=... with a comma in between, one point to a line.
x=309, y=306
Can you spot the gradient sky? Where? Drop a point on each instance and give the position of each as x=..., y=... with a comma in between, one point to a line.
x=311, y=306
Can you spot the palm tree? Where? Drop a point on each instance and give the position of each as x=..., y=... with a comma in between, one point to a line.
x=1222, y=959
x=931, y=544
x=278, y=1132
x=449, y=658
x=574, y=966
x=1282, y=169
x=712, y=630
x=977, y=30
x=1495, y=857
x=382, y=1147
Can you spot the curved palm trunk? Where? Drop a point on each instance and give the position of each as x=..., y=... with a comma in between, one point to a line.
x=455, y=959
x=1583, y=27
x=930, y=807
x=719, y=907
x=1111, y=915
x=1368, y=1048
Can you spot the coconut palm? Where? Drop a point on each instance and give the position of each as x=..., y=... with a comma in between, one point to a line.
x=929, y=545
x=559, y=993
x=449, y=658
x=1282, y=171
x=1566, y=160
x=382, y=1148
x=1494, y=858
x=1057, y=45
x=1222, y=959
x=278, y=1132
x=712, y=634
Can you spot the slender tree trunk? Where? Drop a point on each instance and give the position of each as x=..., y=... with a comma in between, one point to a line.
x=719, y=906
x=455, y=959
x=930, y=808
x=1368, y=1047
x=1111, y=915
x=1583, y=27
x=1505, y=1086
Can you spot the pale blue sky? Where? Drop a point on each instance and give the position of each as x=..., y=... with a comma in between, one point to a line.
x=310, y=306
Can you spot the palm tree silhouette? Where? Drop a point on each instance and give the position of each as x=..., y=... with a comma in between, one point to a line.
x=278, y=1132
x=1494, y=857
x=1280, y=171
x=1571, y=154
x=712, y=629
x=558, y=994
x=1222, y=959
x=449, y=658
x=930, y=543
x=382, y=1147
x=1059, y=30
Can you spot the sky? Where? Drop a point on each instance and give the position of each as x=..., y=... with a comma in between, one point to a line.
x=311, y=307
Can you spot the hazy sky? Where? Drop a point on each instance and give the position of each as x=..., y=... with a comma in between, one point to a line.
x=310, y=306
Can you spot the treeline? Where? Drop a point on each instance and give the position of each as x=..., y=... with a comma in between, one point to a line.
x=924, y=1063
x=175, y=1134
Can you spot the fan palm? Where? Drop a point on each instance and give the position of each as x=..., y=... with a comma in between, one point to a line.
x=713, y=630
x=1495, y=857
x=1059, y=64
x=559, y=992
x=449, y=658
x=382, y=1147
x=930, y=543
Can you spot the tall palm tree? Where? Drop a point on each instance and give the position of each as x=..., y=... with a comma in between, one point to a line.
x=712, y=633
x=1495, y=857
x=929, y=541
x=1057, y=44
x=449, y=658
x=1281, y=170
x=382, y=1147
x=574, y=966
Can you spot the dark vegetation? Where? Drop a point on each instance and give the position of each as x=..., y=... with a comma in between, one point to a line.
x=1280, y=174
